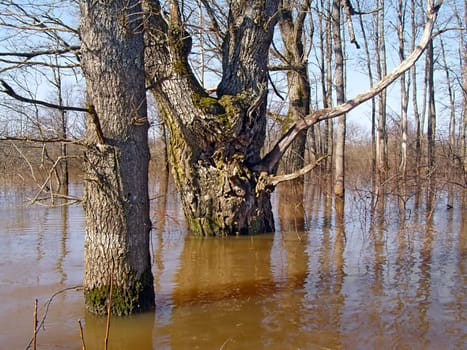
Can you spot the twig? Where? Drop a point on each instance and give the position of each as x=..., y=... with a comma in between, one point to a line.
x=223, y=345
x=83, y=344
x=275, y=180
x=44, y=140
x=7, y=89
x=47, y=306
x=34, y=346
x=27, y=161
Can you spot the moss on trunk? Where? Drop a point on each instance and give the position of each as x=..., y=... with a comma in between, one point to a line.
x=125, y=299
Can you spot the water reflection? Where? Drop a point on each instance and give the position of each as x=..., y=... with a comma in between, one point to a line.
x=291, y=207
x=364, y=274
x=63, y=242
x=135, y=332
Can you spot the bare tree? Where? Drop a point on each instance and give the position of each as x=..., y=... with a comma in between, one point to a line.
x=417, y=117
x=339, y=186
x=403, y=88
x=116, y=200
x=431, y=116
x=369, y=67
x=381, y=67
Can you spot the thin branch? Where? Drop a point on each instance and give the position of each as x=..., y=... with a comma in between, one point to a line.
x=43, y=140
x=278, y=94
x=349, y=11
x=7, y=89
x=81, y=334
x=31, y=168
x=32, y=54
x=269, y=162
x=34, y=339
x=286, y=67
x=215, y=24
x=47, y=306
x=275, y=180
x=44, y=186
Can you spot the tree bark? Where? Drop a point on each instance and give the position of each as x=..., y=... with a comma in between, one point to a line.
x=116, y=202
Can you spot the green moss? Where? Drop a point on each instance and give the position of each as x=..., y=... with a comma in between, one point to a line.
x=207, y=101
x=195, y=227
x=255, y=226
x=204, y=226
x=208, y=104
x=125, y=301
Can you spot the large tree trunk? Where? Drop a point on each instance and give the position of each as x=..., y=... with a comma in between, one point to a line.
x=213, y=140
x=116, y=202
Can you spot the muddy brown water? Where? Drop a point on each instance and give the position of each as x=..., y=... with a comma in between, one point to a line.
x=370, y=280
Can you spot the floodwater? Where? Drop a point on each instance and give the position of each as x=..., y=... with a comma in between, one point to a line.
x=376, y=277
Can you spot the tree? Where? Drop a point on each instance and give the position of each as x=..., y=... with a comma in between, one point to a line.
x=381, y=132
x=417, y=117
x=403, y=88
x=339, y=188
x=431, y=127
x=295, y=58
x=116, y=201
x=215, y=141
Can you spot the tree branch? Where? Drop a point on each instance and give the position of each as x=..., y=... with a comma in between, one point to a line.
x=32, y=54
x=275, y=180
x=270, y=160
x=43, y=140
x=7, y=89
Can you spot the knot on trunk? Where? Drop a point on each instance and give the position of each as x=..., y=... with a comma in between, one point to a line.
x=264, y=184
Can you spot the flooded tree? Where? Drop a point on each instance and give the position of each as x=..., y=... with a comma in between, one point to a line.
x=216, y=140
x=116, y=201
